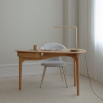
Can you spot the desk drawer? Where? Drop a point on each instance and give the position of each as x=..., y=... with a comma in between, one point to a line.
x=34, y=55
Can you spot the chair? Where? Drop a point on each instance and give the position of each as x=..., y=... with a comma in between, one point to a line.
x=53, y=62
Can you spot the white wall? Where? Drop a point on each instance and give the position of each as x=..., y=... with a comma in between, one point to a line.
x=71, y=18
x=24, y=23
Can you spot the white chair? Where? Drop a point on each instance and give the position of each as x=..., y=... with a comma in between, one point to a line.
x=53, y=62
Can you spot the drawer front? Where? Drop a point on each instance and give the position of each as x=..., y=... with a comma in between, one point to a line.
x=33, y=55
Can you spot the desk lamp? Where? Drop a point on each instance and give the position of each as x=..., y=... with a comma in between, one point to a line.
x=75, y=50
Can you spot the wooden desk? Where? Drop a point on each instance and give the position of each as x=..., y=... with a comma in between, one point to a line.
x=36, y=55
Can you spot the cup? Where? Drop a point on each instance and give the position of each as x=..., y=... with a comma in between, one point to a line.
x=35, y=47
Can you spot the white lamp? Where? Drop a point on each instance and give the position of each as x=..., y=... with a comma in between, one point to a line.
x=75, y=50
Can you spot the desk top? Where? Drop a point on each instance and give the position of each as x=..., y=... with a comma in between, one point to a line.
x=67, y=51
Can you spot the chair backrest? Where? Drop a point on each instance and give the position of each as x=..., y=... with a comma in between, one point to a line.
x=53, y=46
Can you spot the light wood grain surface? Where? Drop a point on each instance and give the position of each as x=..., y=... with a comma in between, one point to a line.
x=67, y=51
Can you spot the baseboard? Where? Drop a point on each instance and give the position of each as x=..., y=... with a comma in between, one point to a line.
x=9, y=70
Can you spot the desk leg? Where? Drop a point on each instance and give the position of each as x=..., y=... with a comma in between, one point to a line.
x=74, y=73
x=77, y=68
x=20, y=72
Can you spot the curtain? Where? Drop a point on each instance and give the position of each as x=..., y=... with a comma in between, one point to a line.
x=91, y=38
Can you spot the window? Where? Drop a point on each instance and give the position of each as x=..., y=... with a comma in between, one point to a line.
x=98, y=22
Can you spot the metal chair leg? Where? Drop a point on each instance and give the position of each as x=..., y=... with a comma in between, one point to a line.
x=61, y=73
x=43, y=76
x=64, y=77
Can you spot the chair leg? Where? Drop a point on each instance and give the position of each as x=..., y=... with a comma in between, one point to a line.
x=43, y=76
x=61, y=73
x=44, y=72
x=64, y=77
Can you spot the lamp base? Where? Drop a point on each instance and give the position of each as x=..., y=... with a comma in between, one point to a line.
x=75, y=50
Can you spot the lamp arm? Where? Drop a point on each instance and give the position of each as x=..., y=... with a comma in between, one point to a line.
x=69, y=27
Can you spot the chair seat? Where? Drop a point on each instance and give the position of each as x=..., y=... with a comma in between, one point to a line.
x=53, y=63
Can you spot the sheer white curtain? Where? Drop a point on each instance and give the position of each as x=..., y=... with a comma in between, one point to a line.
x=91, y=37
